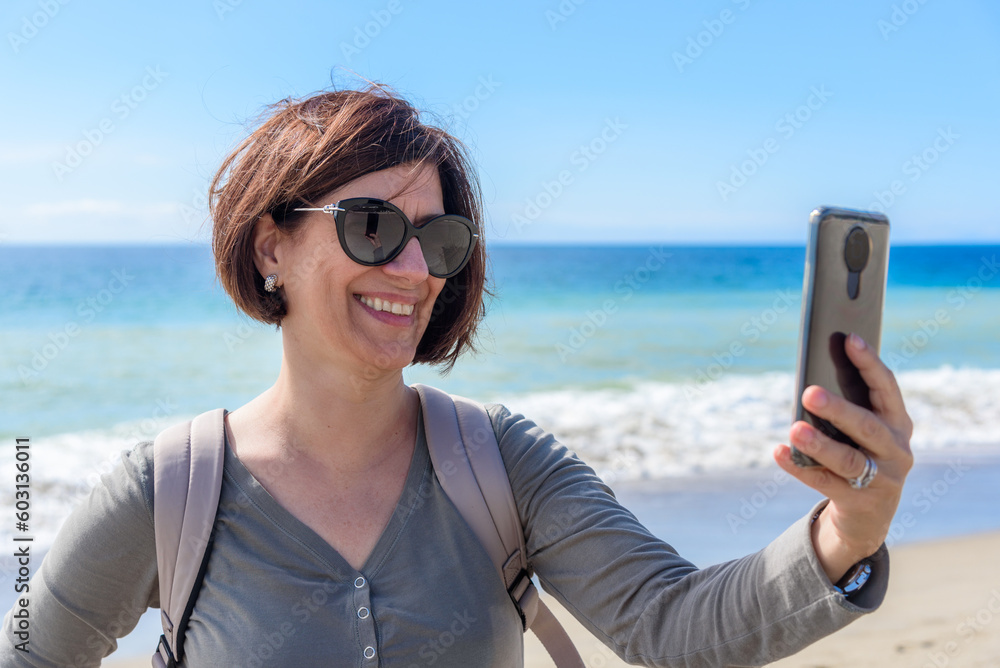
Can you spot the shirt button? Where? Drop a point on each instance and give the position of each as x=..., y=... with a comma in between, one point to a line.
x=360, y=582
x=369, y=652
x=363, y=613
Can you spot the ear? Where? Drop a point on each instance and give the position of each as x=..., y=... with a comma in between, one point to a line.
x=266, y=238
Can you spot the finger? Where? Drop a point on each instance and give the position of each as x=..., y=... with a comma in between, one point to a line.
x=820, y=478
x=864, y=427
x=839, y=458
x=883, y=389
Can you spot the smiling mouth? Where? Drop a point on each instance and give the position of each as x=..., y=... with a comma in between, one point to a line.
x=386, y=305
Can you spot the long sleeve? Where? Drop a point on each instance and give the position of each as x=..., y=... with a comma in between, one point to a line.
x=98, y=578
x=634, y=592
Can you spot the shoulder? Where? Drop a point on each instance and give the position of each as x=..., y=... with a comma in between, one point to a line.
x=521, y=437
x=514, y=426
x=114, y=520
x=518, y=436
x=131, y=482
x=537, y=463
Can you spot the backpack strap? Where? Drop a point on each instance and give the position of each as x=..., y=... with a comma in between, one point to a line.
x=187, y=481
x=466, y=457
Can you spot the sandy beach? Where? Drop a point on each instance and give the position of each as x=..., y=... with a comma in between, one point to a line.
x=942, y=610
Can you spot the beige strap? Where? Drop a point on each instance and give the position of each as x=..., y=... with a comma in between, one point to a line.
x=450, y=456
x=187, y=475
x=466, y=458
x=555, y=640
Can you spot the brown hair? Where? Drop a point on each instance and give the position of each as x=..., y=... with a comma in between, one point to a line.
x=307, y=148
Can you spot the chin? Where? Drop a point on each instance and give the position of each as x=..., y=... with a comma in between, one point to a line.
x=393, y=357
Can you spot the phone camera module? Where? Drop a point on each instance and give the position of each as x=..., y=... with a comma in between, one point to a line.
x=856, y=249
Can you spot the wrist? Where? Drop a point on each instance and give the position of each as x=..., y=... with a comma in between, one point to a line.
x=834, y=555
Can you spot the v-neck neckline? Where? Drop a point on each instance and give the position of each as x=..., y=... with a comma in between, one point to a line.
x=416, y=478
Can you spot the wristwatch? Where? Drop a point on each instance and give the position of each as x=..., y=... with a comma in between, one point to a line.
x=855, y=578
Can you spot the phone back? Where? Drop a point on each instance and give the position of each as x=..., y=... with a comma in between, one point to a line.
x=843, y=292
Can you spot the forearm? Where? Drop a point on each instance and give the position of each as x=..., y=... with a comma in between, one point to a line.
x=61, y=633
x=750, y=611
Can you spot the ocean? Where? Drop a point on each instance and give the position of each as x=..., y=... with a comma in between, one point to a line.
x=655, y=363
x=668, y=369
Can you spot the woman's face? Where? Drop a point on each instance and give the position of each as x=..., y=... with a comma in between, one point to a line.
x=331, y=300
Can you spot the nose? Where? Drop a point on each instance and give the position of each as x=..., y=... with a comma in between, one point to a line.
x=410, y=263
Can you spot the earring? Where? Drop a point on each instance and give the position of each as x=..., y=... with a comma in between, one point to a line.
x=271, y=283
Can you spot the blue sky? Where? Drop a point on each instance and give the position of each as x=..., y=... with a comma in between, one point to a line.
x=716, y=121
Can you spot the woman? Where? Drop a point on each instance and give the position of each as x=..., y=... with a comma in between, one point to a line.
x=335, y=544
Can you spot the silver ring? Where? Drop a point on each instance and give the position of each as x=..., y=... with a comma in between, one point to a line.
x=866, y=477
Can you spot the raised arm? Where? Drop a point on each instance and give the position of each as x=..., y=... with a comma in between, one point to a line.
x=639, y=597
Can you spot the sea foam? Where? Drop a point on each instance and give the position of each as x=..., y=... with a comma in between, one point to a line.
x=641, y=432
x=655, y=430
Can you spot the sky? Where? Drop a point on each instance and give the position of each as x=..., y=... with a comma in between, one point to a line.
x=721, y=121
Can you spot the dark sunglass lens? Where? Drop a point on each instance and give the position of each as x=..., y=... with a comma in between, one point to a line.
x=373, y=232
x=446, y=244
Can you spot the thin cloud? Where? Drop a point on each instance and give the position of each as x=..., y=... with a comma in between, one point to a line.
x=107, y=207
x=30, y=154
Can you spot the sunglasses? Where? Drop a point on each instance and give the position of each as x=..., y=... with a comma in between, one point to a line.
x=372, y=232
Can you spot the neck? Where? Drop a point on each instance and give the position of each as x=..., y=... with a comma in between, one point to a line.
x=347, y=420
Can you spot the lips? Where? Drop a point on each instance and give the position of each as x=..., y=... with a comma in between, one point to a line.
x=379, y=304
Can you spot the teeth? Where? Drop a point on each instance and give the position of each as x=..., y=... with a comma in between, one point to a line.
x=385, y=305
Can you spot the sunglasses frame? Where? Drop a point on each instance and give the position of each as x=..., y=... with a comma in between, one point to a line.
x=337, y=210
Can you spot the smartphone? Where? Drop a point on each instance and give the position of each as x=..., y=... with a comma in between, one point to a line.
x=843, y=292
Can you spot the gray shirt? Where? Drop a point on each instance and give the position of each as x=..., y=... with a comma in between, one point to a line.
x=276, y=594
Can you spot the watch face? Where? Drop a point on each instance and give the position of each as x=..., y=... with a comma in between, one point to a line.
x=854, y=579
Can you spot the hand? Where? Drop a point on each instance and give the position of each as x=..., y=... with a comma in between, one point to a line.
x=856, y=521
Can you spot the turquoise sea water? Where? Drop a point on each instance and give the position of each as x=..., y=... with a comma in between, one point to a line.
x=122, y=327
x=626, y=353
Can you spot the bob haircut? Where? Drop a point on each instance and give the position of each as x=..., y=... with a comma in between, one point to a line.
x=303, y=150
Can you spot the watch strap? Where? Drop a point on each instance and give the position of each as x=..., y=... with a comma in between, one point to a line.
x=854, y=579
